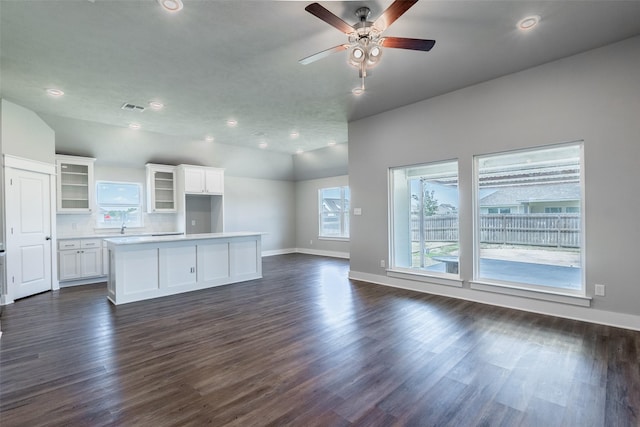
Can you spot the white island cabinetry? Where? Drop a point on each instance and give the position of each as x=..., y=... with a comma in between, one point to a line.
x=149, y=267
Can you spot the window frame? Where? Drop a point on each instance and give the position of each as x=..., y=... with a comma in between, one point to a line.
x=518, y=288
x=343, y=215
x=419, y=273
x=119, y=206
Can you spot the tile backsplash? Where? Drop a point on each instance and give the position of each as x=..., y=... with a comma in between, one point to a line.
x=85, y=225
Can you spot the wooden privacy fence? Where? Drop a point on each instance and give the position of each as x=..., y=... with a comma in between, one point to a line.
x=557, y=230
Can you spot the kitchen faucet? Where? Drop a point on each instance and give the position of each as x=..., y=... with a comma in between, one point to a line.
x=122, y=228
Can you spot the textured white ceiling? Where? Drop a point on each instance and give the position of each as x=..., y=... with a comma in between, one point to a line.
x=217, y=60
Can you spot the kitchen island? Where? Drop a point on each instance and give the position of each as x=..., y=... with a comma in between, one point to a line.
x=154, y=266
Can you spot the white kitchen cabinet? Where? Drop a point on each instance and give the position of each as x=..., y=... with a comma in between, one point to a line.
x=161, y=188
x=75, y=184
x=79, y=259
x=202, y=180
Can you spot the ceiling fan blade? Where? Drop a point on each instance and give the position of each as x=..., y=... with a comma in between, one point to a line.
x=323, y=54
x=319, y=11
x=407, y=43
x=393, y=12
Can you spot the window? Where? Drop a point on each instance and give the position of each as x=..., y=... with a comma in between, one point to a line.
x=424, y=218
x=536, y=246
x=334, y=212
x=119, y=203
x=499, y=210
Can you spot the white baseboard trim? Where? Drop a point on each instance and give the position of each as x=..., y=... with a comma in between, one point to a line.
x=278, y=252
x=585, y=314
x=332, y=254
x=80, y=282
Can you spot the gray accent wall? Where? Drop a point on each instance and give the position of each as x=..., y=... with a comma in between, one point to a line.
x=262, y=205
x=307, y=226
x=593, y=96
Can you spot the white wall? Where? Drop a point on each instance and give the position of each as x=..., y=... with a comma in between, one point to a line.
x=307, y=218
x=262, y=205
x=25, y=135
x=594, y=96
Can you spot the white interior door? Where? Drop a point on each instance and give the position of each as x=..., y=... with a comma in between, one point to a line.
x=28, y=208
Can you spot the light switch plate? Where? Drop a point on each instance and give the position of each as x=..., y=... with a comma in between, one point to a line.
x=357, y=211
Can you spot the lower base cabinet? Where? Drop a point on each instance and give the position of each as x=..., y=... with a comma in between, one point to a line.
x=79, y=259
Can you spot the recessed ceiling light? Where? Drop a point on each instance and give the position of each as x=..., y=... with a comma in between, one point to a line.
x=209, y=138
x=134, y=126
x=357, y=91
x=294, y=134
x=171, y=5
x=55, y=92
x=156, y=105
x=299, y=151
x=332, y=143
x=528, y=22
x=263, y=145
x=232, y=123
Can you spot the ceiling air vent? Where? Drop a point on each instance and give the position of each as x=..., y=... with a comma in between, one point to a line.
x=131, y=107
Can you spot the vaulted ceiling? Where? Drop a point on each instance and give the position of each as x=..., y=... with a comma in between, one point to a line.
x=220, y=60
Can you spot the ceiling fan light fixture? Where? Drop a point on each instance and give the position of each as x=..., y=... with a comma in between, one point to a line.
x=357, y=56
x=375, y=53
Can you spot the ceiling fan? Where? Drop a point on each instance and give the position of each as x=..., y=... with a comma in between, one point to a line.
x=365, y=37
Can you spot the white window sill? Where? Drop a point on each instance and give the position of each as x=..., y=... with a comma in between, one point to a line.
x=337, y=239
x=553, y=296
x=444, y=279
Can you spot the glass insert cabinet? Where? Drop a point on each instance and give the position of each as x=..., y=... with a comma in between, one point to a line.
x=74, y=184
x=161, y=188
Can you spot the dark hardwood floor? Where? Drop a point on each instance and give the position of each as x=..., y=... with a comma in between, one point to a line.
x=305, y=346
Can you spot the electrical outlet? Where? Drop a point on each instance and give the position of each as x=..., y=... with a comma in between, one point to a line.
x=310, y=242
x=599, y=290
x=382, y=263
x=193, y=222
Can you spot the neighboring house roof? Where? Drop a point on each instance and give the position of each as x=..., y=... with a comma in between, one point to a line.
x=510, y=196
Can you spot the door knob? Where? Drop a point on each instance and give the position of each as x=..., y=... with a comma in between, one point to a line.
x=47, y=238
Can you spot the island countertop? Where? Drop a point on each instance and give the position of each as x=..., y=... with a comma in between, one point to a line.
x=136, y=240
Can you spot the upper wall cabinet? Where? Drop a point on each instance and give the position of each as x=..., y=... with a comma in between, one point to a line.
x=202, y=180
x=75, y=184
x=161, y=188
